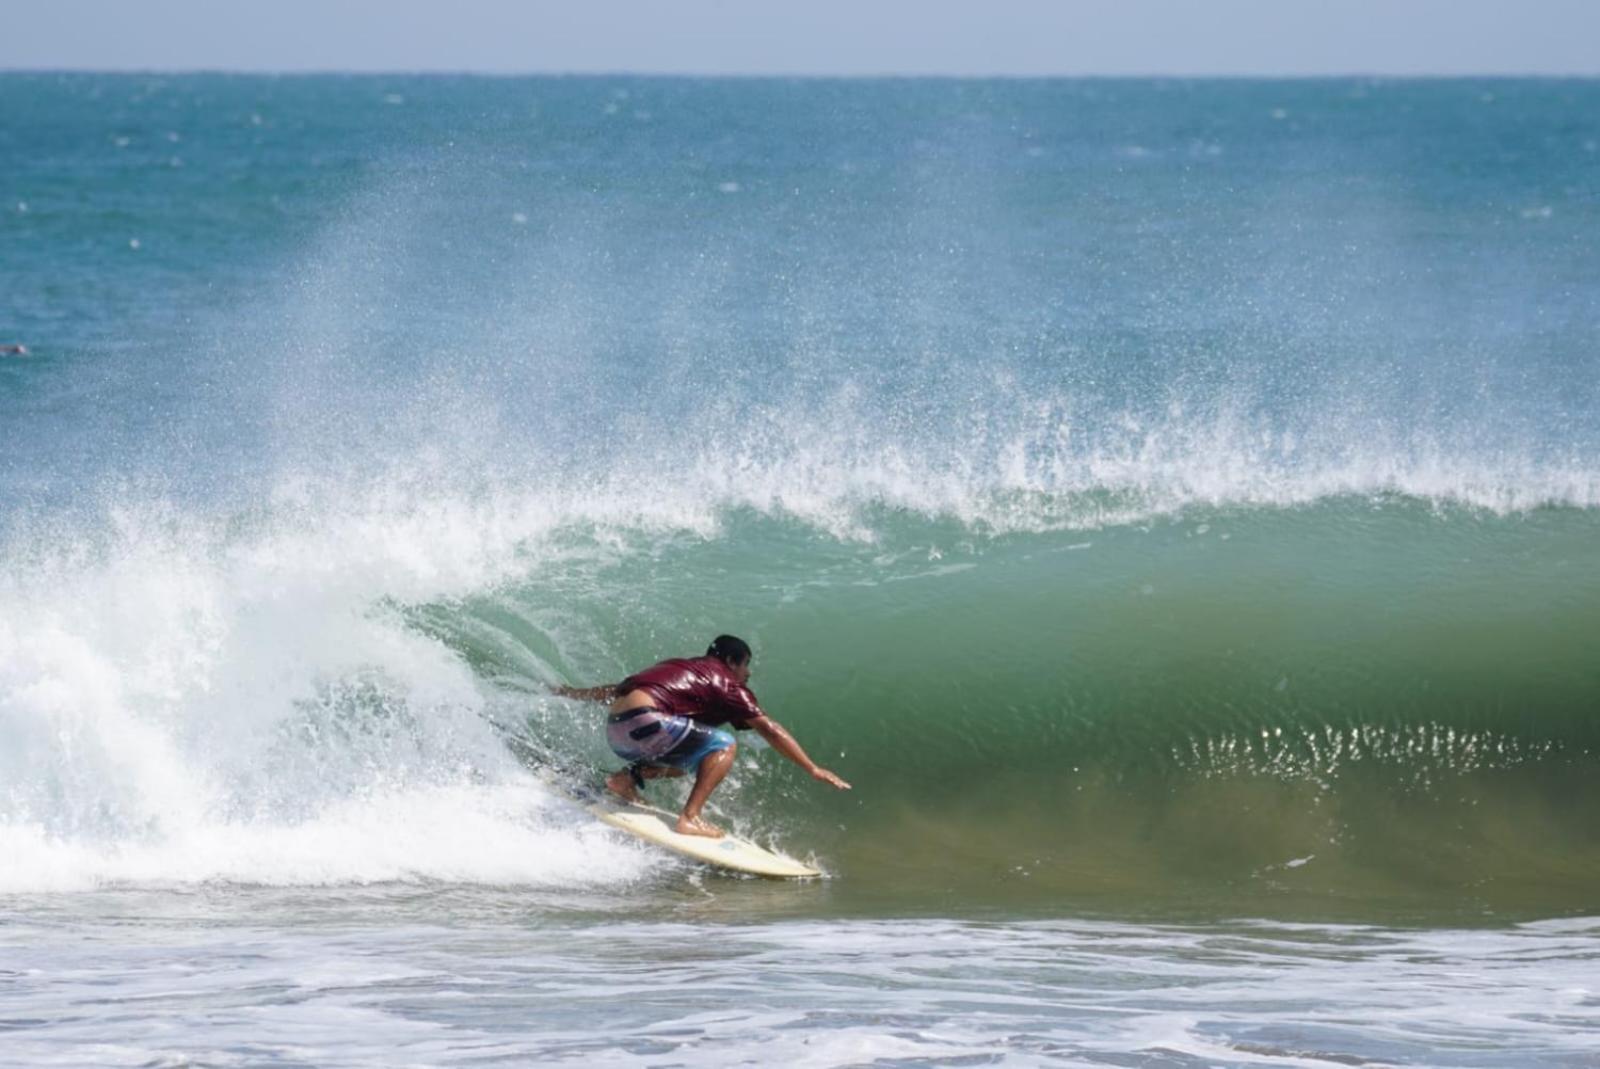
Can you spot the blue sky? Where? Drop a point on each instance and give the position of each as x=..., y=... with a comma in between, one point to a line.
x=1006, y=37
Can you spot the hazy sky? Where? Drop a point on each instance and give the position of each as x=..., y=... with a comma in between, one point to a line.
x=811, y=36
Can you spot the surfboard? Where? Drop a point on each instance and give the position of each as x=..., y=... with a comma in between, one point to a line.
x=729, y=852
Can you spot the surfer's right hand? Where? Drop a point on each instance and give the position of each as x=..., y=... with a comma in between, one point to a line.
x=829, y=778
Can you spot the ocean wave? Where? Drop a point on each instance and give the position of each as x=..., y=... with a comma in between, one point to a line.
x=317, y=689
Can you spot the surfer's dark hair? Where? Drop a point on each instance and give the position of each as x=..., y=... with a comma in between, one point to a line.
x=729, y=650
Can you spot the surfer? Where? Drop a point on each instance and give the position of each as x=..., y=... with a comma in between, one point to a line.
x=668, y=719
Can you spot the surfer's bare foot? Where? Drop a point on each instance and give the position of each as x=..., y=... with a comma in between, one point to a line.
x=698, y=826
x=621, y=785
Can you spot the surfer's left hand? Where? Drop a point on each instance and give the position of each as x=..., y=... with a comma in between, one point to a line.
x=829, y=778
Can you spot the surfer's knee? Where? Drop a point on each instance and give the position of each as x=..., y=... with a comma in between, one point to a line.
x=721, y=757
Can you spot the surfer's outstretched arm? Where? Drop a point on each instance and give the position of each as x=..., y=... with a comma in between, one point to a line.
x=587, y=694
x=779, y=739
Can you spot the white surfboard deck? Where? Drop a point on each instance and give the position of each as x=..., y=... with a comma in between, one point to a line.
x=657, y=826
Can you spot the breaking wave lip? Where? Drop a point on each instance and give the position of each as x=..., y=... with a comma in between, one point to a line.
x=1052, y=471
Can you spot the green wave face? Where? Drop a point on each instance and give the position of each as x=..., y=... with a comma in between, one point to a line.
x=1346, y=706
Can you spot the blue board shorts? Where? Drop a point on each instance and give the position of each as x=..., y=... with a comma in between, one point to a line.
x=647, y=736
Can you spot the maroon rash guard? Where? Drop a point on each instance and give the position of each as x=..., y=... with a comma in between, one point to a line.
x=701, y=688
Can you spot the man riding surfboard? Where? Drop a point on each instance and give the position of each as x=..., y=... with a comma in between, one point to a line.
x=667, y=719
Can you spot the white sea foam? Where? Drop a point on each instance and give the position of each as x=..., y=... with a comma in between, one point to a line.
x=508, y=835
x=179, y=705
x=1077, y=993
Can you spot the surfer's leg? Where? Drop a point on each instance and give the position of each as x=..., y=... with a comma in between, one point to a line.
x=621, y=784
x=713, y=767
x=625, y=784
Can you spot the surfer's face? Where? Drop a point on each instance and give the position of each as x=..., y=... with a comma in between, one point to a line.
x=741, y=672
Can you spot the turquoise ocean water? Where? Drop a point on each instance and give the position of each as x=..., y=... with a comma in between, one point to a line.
x=1175, y=506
